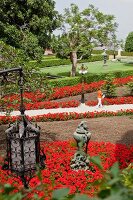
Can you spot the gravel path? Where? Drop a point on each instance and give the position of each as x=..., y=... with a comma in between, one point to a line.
x=80, y=109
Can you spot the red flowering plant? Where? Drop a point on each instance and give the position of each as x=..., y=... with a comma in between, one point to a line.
x=112, y=101
x=67, y=116
x=38, y=100
x=123, y=80
x=58, y=173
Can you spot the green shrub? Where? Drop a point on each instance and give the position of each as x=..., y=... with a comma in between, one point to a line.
x=109, y=87
x=60, y=82
x=115, y=184
x=50, y=63
x=129, y=42
x=130, y=87
x=124, y=53
x=111, y=52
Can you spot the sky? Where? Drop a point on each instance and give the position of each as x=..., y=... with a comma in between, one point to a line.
x=121, y=9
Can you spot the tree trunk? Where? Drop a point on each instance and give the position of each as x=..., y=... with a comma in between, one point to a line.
x=73, y=57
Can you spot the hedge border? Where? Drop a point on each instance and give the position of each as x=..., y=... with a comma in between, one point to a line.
x=51, y=63
x=70, y=81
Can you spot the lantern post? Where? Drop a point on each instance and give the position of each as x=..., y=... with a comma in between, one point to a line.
x=82, y=71
x=23, y=141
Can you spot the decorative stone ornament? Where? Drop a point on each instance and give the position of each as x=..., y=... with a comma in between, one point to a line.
x=82, y=137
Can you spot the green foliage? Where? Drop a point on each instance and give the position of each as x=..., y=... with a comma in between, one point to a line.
x=111, y=52
x=50, y=62
x=92, y=59
x=10, y=57
x=60, y=194
x=124, y=53
x=109, y=87
x=130, y=87
x=60, y=82
x=129, y=42
x=28, y=23
x=33, y=80
x=82, y=27
x=8, y=194
x=115, y=184
x=81, y=32
x=30, y=46
x=97, y=161
x=127, y=176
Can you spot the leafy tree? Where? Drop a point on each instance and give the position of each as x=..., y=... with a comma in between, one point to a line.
x=129, y=42
x=81, y=32
x=11, y=58
x=27, y=21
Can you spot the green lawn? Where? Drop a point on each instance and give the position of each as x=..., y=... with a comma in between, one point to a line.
x=93, y=67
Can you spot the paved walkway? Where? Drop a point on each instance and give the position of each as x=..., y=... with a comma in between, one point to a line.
x=80, y=109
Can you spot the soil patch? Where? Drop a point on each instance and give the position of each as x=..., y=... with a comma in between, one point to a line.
x=117, y=129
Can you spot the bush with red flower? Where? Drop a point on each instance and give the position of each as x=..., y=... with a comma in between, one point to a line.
x=38, y=100
x=58, y=173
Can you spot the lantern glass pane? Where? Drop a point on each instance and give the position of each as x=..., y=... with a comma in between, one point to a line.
x=16, y=158
x=29, y=154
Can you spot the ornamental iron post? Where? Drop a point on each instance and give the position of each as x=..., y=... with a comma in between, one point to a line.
x=82, y=71
x=23, y=141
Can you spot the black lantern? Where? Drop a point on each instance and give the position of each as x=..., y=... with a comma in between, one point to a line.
x=82, y=71
x=23, y=143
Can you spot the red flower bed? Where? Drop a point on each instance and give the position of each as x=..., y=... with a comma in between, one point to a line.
x=112, y=101
x=123, y=81
x=58, y=173
x=72, y=103
x=67, y=116
x=38, y=100
x=49, y=105
x=75, y=90
x=30, y=97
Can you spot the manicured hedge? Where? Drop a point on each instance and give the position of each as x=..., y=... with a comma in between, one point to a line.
x=60, y=82
x=50, y=63
x=111, y=52
x=123, y=53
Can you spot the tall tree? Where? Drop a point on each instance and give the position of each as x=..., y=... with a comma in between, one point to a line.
x=129, y=42
x=82, y=31
x=29, y=21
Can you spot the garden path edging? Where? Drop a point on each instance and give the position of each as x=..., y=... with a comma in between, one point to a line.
x=80, y=109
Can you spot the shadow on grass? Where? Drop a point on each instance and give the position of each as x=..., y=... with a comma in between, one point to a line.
x=130, y=64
